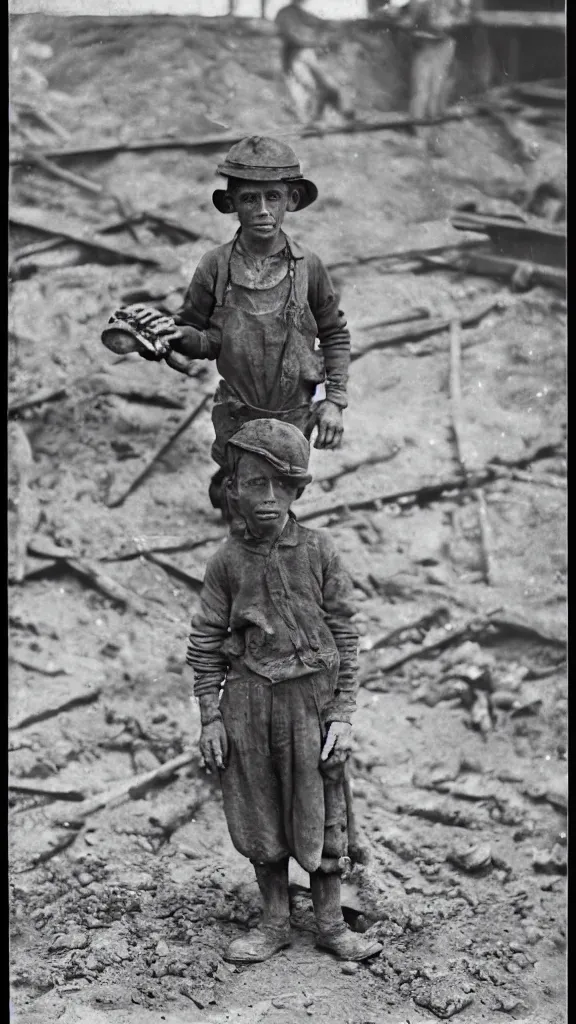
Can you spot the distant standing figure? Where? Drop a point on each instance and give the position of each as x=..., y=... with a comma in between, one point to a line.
x=311, y=89
x=431, y=23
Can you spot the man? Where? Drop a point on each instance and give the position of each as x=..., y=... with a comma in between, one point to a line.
x=310, y=87
x=273, y=651
x=431, y=24
x=257, y=305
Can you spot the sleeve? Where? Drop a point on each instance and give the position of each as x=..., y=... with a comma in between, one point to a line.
x=209, y=631
x=197, y=309
x=332, y=331
x=339, y=608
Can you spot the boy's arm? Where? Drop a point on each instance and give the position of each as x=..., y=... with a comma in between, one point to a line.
x=332, y=331
x=339, y=607
x=193, y=317
x=208, y=633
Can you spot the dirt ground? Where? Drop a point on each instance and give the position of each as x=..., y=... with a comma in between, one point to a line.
x=459, y=763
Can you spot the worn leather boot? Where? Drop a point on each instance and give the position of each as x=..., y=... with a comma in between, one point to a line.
x=334, y=934
x=273, y=933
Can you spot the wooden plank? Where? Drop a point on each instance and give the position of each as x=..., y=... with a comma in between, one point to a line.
x=214, y=143
x=553, y=20
x=75, y=231
x=501, y=267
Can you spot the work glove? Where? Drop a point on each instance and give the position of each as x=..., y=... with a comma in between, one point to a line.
x=338, y=743
x=140, y=329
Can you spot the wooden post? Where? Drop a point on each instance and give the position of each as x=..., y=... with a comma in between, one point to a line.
x=483, y=58
x=513, y=58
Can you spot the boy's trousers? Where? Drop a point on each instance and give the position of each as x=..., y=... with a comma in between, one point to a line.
x=278, y=800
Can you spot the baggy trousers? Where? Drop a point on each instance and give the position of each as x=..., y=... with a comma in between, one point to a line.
x=311, y=89
x=430, y=71
x=278, y=800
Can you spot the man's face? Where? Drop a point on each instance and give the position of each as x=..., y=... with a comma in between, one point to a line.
x=264, y=496
x=261, y=206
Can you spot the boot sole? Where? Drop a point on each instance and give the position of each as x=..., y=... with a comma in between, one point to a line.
x=254, y=959
x=372, y=950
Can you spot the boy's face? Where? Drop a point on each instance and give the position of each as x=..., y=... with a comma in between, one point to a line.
x=262, y=205
x=263, y=495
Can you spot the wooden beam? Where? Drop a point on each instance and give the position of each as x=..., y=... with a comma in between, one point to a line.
x=552, y=20
x=75, y=231
x=224, y=140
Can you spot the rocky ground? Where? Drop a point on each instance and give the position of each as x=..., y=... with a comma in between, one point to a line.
x=120, y=916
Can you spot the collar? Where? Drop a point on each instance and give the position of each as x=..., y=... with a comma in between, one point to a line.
x=289, y=538
x=295, y=249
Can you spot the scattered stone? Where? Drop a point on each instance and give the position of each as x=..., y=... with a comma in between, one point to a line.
x=477, y=857
x=413, y=885
x=70, y=940
x=503, y=699
x=200, y=999
x=480, y=715
x=507, y=1003
x=512, y=967
x=553, y=862
x=136, y=880
x=350, y=967
x=509, y=775
x=444, y=1000
x=523, y=709
x=557, y=793
x=533, y=934
x=513, y=677
x=162, y=948
x=471, y=764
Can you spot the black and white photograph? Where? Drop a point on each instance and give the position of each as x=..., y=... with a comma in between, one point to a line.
x=287, y=512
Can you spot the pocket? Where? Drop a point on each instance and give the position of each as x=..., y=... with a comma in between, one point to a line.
x=322, y=692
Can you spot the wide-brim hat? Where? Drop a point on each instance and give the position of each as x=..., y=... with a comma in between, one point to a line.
x=259, y=158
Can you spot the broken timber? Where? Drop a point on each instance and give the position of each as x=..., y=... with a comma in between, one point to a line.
x=147, y=469
x=517, y=238
x=432, y=491
x=194, y=582
x=223, y=140
x=457, y=431
x=90, y=572
x=37, y=789
x=426, y=327
x=133, y=788
x=552, y=20
x=522, y=273
x=73, y=231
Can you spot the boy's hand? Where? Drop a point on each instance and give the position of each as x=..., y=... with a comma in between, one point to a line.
x=214, y=745
x=338, y=743
x=330, y=426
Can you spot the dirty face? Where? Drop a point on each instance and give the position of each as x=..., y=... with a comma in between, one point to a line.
x=263, y=495
x=261, y=207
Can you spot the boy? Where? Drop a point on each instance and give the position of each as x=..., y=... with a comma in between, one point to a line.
x=274, y=628
x=257, y=305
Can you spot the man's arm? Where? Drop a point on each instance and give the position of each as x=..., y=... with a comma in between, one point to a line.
x=332, y=331
x=195, y=313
